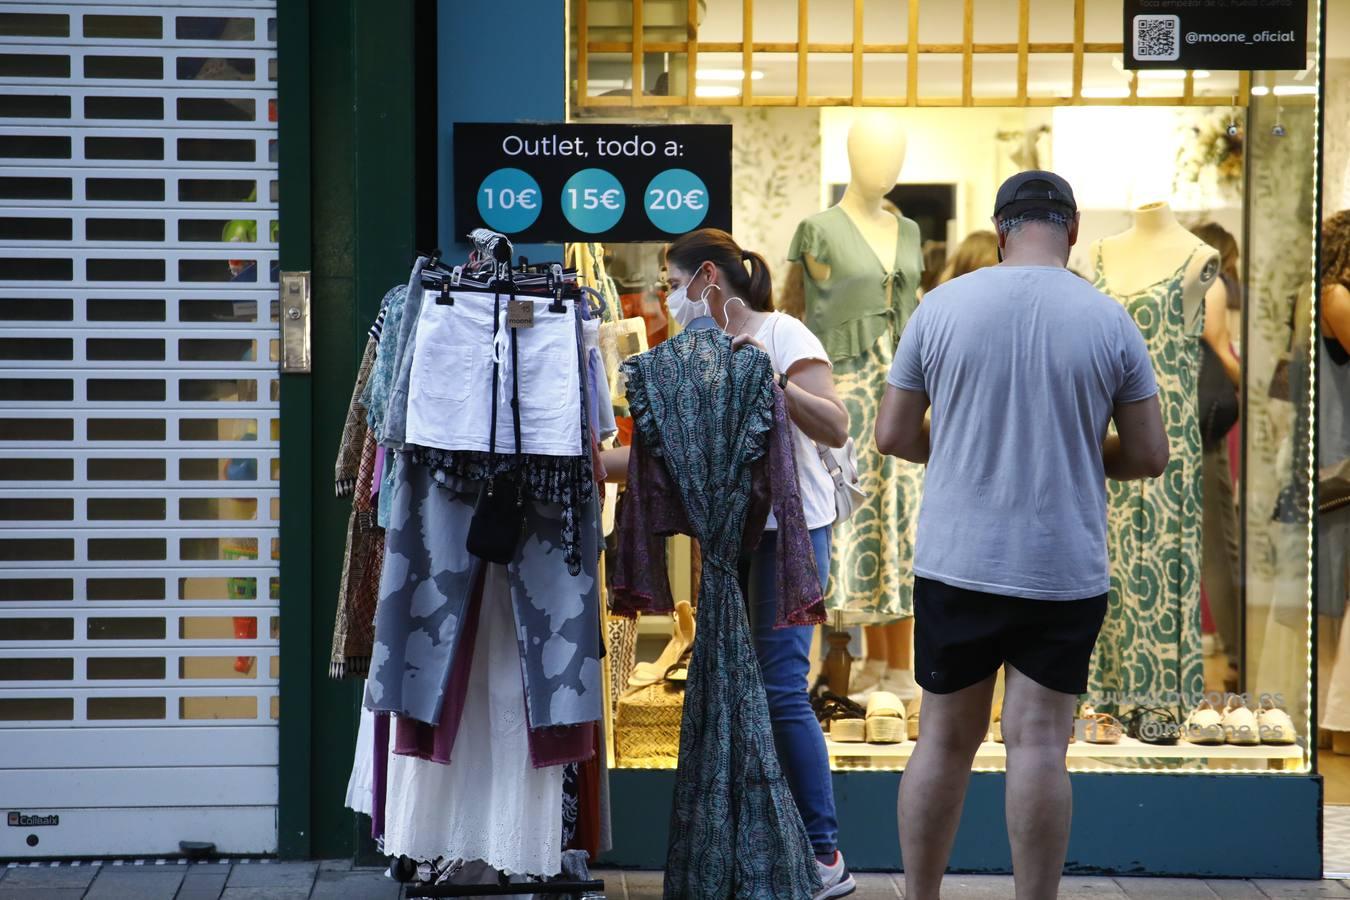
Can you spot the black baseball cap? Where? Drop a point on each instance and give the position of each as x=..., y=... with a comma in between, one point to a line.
x=1035, y=189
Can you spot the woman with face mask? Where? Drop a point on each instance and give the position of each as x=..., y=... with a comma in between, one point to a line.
x=716, y=284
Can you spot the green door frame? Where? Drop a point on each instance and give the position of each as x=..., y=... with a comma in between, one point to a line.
x=347, y=93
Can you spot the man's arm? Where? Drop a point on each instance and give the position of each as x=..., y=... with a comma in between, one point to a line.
x=902, y=429
x=1139, y=448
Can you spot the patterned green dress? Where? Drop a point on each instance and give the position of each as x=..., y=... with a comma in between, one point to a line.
x=858, y=313
x=1149, y=649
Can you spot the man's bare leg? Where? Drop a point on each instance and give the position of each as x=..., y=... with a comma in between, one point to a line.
x=933, y=787
x=1039, y=799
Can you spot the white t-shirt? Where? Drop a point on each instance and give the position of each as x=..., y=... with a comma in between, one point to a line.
x=789, y=341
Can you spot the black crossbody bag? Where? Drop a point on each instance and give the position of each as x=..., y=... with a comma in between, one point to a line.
x=499, y=513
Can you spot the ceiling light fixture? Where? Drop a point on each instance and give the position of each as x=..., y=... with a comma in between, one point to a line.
x=717, y=90
x=1289, y=90
x=1103, y=93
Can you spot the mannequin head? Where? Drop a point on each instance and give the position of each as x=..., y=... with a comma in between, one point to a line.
x=876, y=152
x=713, y=268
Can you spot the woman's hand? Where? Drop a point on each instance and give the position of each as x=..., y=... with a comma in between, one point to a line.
x=745, y=340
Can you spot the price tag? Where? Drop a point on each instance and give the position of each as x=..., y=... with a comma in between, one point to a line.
x=519, y=314
x=676, y=201
x=593, y=200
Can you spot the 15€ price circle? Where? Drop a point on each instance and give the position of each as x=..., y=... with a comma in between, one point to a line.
x=593, y=201
x=509, y=200
x=676, y=201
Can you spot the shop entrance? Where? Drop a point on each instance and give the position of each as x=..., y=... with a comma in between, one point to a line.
x=138, y=428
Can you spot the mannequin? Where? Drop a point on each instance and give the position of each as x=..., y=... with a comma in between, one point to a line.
x=858, y=275
x=1150, y=643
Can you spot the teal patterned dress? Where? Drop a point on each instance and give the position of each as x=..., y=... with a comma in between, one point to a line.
x=709, y=413
x=1149, y=652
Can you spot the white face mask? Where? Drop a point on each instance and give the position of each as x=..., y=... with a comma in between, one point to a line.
x=684, y=310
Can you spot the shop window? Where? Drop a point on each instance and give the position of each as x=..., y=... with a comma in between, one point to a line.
x=145, y=28
x=34, y=106
x=124, y=148
x=124, y=390
x=37, y=709
x=125, y=189
x=147, y=68
x=35, y=188
x=126, y=230
x=37, y=590
x=39, y=25
x=215, y=150
x=125, y=668
x=37, y=549
x=15, y=228
x=38, y=470
x=217, y=310
x=37, y=668
x=34, y=146
x=99, y=709
x=125, y=429
x=125, y=310
x=149, y=509
x=124, y=589
x=36, y=629
x=56, y=309
x=126, y=469
x=36, y=390
x=127, y=549
x=124, y=348
x=232, y=549
x=124, y=108
x=218, y=508
x=212, y=589
x=36, y=509
x=37, y=429
x=129, y=628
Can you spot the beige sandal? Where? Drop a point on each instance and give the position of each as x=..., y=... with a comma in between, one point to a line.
x=1239, y=724
x=1204, y=725
x=885, y=718
x=1100, y=728
x=1274, y=724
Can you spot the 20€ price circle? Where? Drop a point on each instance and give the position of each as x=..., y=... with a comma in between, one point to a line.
x=593, y=201
x=676, y=201
x=509, y=200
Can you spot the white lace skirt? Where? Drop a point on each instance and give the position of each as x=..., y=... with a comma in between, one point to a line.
x=490, y=804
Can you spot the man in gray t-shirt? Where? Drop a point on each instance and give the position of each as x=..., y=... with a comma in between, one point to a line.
x=1024, y=366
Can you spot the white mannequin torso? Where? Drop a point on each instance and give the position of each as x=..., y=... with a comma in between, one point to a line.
x=1151, y=250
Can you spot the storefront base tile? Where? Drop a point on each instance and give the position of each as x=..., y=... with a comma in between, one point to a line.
x=1190, y=825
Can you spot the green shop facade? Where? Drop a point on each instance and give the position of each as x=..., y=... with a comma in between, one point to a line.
x=205, y=203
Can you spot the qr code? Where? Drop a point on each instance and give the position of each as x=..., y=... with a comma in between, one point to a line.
x=1157, y=38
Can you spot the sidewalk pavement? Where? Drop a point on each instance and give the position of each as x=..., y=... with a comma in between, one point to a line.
x=338, y=880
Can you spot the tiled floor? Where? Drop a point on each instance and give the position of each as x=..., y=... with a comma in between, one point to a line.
x=261, y=880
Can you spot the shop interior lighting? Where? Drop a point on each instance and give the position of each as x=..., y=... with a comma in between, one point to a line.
x=1285, y=90
x=728, y=75
x=1103, y=93
x=717, y=90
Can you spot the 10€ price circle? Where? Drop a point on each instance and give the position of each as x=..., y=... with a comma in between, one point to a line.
x=509, y=200
x=593, y=201
x=676, y=201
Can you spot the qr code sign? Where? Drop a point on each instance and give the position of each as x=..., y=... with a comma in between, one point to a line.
x=1157, y=38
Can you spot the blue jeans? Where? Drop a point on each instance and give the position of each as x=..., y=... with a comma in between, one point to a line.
x=784, y=661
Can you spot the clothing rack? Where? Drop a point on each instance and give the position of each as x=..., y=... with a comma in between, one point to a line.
x=577, y=890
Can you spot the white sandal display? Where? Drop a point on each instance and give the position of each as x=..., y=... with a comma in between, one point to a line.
x=1239, y=724
x=1204, y=725
x=885, y=718
x=1274, y=725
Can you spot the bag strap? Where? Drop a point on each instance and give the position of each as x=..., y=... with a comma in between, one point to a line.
x=826, y=456
x=492, y=430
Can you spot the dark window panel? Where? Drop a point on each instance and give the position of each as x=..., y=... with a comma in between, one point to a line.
x=34, y=25
x=37, y=549
x=150, y=68
x=34, y=106
x=124, y=229
x=34, y=65
x=124, y=469
x=216, y=109
x=34, y=390
x=37, y=668
x=34, y=309
x=37, y=429
x=122, y=549
x=124, y=269
x=106, y=349
x=126, y=628
x=125, y=668
x=126, y=429
x=47, y=349
x=149, y=189
x=125, y=390
x=37, y=470
x=35, y=146
x=217, y=190
x=105, y=509
x=32, y=268
x=27, y=228
x=124, y=310
x=215, y=150
x=124, y=108
x=216, y=68
x=115, y=589
x=124, y=148
x=214, y=28
x=142, y=27
x=22, y=590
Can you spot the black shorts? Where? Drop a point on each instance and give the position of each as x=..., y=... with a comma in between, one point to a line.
x=961, y=637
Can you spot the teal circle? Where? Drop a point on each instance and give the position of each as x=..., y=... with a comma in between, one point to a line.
x=593, y=201
x=509, y=200
x=676, y=201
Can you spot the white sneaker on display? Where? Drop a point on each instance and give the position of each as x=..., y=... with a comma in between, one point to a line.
x=837, y=880
x=901, y=683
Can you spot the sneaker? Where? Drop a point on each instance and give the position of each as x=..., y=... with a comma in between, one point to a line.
x=836, y=879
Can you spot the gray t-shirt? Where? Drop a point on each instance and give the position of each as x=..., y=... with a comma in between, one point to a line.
x=1022, y=365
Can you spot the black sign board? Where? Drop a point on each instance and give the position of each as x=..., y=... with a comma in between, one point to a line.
x=1216, y=34
x=616, y=183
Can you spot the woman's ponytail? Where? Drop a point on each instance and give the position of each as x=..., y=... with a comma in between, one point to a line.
x=759, y=294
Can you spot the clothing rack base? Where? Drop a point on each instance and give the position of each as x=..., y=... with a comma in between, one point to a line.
x=573, y=889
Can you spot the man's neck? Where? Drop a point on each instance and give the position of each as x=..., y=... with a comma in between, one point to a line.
x=1033, y=256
